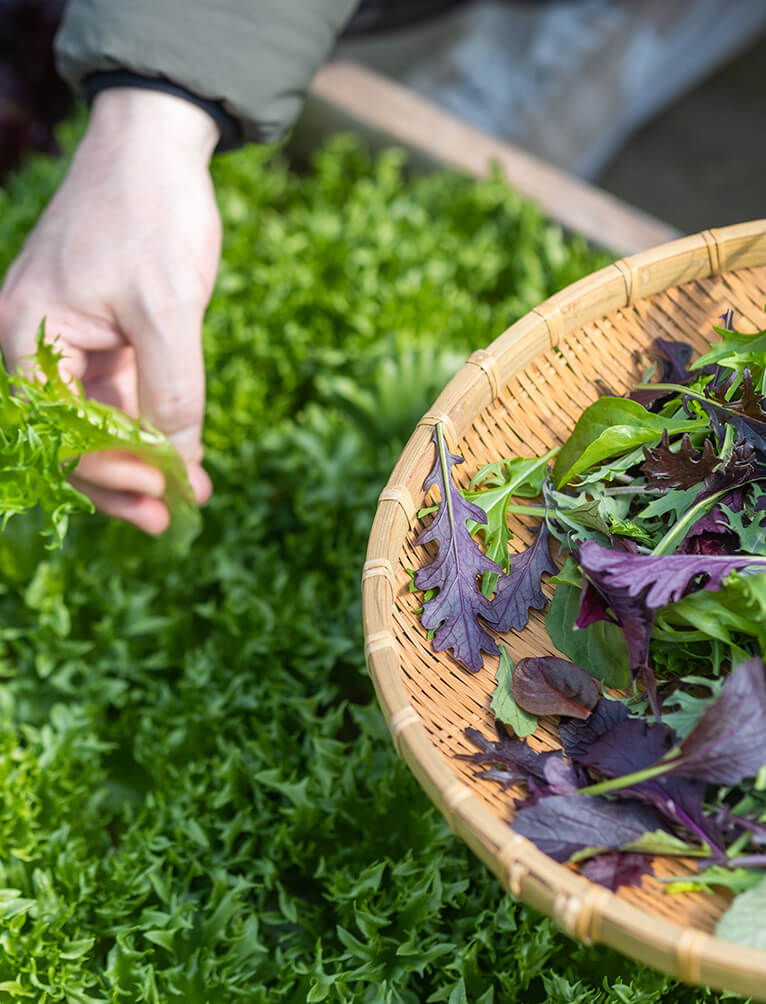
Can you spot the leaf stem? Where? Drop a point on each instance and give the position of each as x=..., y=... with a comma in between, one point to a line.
x=669, y=540
x=445, y=477
x=627, y=780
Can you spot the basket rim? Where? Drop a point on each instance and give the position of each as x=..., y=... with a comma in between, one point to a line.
x=583, y=910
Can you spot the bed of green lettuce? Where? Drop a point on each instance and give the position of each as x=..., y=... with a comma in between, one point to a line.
x=199, y=800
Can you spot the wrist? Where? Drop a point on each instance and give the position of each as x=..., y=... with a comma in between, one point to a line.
x=160, y=121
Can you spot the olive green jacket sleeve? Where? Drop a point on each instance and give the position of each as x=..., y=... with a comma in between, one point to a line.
x=256, y=57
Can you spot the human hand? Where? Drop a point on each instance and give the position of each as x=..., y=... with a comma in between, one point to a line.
x=122, y=265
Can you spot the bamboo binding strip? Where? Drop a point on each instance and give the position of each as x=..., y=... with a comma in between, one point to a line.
x=520, y=396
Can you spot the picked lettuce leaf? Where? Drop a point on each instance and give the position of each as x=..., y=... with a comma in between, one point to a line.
x=46, y=425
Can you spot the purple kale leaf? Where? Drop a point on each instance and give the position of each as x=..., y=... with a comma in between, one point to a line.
x=455, y=608
x=552, y=686
x=627, y=747
x=617, y=868
x=519, y=590
x=562, y=825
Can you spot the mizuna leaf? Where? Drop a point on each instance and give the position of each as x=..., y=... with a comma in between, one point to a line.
x=519, y=590
x=610, y=427
x=551, y=686
x=455, y=609
x=501, y=481
x=504, y=705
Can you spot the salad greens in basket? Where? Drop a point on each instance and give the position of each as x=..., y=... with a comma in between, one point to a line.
x=656, y=505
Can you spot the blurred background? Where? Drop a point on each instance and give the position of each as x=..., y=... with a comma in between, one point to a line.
x=659, y=103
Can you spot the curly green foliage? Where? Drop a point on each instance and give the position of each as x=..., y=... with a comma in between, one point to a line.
x=201, y=802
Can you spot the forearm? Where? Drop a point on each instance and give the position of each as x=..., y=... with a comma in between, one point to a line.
x=257, y=57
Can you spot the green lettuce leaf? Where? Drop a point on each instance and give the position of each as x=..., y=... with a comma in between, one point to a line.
x=504, y=706
x=610, y=427
x=46, y=425
x=745, y=920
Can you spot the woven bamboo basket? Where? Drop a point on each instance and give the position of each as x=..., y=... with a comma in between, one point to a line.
x=519, y=397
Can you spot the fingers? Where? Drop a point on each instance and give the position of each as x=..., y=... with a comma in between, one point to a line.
x=113, y=470
x=147, y=513
x=171, y=382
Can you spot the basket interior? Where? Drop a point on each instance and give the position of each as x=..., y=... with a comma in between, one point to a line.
x=532, y=413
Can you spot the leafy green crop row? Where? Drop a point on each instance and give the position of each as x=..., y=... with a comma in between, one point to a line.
x=199, y=799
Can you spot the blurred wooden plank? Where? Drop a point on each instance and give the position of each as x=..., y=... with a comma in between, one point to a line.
x=346, y=96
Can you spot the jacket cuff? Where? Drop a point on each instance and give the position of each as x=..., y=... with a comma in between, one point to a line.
x=230, y=128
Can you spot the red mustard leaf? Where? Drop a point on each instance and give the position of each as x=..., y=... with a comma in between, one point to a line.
x=562, y=825
x=514, y=756
x=681, y=468
x=578, y=736
x=634, y=586
x=674, y=360
x=656, y=579
x=751, y=430
x=633, y=744
x=633, y=616
x=617, y=868
x=728, y=743
x=628, y=747
x=455, y=609
x=519, y=590
x=552, y=686
x=738, y=470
